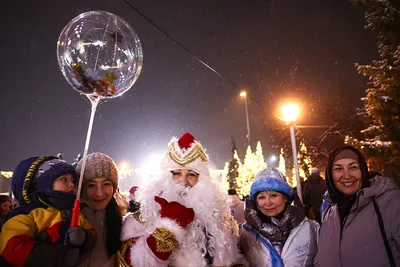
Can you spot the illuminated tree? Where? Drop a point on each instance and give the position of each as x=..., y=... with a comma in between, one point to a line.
x=281, y=165
x=225, y=182
x=259, y=158
x=252, y=163
x=304, y=159
x=232, y=168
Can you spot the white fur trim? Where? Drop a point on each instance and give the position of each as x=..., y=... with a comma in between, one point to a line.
x=188, y=258
x=132, y=228
x=141, y=255
x=171, y=226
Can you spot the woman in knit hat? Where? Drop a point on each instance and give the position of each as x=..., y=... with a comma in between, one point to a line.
x=276, y=232
x=104, y=207
x=362, y=225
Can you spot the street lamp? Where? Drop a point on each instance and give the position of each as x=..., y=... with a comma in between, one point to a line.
x=244, y=94
x=124, y=165
x=290, y=112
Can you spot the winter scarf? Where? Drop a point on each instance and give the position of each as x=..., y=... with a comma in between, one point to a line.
x=275, y=229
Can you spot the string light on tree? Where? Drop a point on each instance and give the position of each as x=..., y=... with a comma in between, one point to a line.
x=252, y=163
x=282, y=164
x=225, y=182
x=6, y=174
x=304, y=161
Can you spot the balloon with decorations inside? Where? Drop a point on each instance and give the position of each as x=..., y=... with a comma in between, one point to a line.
x=101, y=57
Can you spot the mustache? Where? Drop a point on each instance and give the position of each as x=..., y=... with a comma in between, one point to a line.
x=177, y=189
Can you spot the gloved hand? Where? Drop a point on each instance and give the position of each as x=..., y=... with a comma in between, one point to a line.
x=71, y=257
x=175, y=211
x=134, y=206
x=163, y=241
x=42, y=236
x=77, y=236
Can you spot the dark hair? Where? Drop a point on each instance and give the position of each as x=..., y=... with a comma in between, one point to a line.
x=4, y=198
x=232, y=192
x=372, y=174
x=113, y=226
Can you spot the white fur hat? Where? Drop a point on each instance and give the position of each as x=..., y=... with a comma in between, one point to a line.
x=186, y=153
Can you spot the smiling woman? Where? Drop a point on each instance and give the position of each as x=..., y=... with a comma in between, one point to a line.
x=363, y=214
x=103, y=207
x=276, y=232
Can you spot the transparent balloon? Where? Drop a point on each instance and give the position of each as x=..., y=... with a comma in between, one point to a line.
x=99, y=55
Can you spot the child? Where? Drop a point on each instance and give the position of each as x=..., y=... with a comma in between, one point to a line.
x=37, y=233
x=5, y=206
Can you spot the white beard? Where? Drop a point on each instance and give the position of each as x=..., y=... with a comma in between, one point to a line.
x=212, y=218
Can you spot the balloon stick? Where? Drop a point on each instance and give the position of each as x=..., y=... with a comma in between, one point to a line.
x=76, y=209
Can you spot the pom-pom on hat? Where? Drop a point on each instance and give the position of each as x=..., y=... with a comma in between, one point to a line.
x=270, y=179
x=186, y=153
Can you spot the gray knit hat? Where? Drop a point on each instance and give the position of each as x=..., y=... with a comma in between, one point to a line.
x=99, y=165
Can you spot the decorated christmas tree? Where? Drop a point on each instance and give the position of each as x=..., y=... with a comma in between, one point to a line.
x=232, y=167
x=246, y=173
x=259, y=158
x=226, y=181
x=304, y=161
x=253, y=162
x=381, y=139
x=282, y=165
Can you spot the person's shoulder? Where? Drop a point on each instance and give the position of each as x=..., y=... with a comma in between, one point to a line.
x=31, y=214
x=133, y=226
x=23, y=210
x=311, y=224
x=330, y=213
x=384, y=189
x=246, y=230
x=390, y=198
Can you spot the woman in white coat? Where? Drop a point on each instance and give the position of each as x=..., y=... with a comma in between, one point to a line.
x=276, y=232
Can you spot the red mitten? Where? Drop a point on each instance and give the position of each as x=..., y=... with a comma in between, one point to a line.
x=175, y=211
x=163, y=241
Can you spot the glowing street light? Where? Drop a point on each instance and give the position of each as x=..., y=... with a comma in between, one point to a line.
x=244, y=94
x=124, y=165
x=290, y=113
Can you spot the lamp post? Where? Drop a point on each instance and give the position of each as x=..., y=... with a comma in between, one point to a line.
x=290, y=112
x=244, y=94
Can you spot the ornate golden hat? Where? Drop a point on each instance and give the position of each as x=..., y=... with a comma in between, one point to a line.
x=186, y=153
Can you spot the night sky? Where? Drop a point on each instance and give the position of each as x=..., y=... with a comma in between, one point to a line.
x=302, y=50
